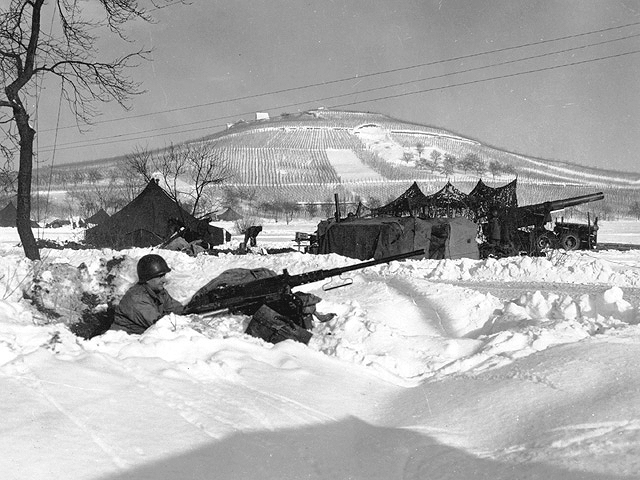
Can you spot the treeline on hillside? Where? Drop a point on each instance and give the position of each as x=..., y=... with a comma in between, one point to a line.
x=57, y=178
x=436, y=165
x=206, y=179
x=284, y=203
x=276, y=203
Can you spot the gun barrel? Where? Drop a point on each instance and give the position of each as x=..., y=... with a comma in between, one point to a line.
x=370, y=263
x=553, y=205
x=309, y=277
x=570, y=202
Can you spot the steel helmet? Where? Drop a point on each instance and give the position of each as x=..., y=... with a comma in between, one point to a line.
x=151, y=266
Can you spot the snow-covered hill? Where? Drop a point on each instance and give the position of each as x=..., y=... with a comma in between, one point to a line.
x=280, y=143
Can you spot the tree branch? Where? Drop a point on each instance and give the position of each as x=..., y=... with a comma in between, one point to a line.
x=69, y=53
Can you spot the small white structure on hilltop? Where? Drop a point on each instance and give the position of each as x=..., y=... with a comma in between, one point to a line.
x=262, y=116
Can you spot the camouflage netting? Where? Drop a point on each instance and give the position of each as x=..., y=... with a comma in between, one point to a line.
x=401, y=206
x=485, y=198
x=446, y=202
x=451, y=202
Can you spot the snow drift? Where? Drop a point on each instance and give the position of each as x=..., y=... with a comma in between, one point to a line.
x=511, y=368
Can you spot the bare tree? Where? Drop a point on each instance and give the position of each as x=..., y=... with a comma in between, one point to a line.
x=509, y=169
x=186, y=171
x=107, y=196
x=422, y=163
x=234, y=195
x=7, y=181
x=280, y=205
x=327, y=208
x=604, y=210
x=435, y=156
x=289, y=209
x=69, y=53
x=495, y=168
x=449, y=164
x=311, y=209
x=467, y=162
x=473, y=162
x=634, y=210
x=480, y=166
x=271, y=206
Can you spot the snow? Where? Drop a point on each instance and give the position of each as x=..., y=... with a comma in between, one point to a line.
x=349, y=167
x=451, y=369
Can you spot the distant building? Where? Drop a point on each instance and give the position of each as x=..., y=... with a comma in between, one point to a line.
x=262, y=116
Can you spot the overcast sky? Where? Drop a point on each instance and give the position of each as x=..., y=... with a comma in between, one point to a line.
x=216, y=61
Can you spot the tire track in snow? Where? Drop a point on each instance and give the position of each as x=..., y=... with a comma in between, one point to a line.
x=427, y=306
x=176, y=402
x=612, y=434
x=313, y=413
x=30, y=379
x=418, y=292
x=420, y=314
x=200, y=414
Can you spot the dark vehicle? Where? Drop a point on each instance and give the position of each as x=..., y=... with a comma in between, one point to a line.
x=576, y=236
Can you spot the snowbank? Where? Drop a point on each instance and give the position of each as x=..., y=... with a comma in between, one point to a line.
x=450, y=369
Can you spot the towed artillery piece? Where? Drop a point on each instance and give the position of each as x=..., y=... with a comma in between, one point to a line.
x=516, y=230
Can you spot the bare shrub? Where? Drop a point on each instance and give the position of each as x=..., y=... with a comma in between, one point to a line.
x=240, y=226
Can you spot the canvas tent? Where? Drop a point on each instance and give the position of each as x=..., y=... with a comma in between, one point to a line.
x=8, y=216
x=147, y=221
x=98, y=217
x=367, y=238
x=229, y=215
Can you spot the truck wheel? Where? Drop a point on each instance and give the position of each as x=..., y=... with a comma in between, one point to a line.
x=570, y=241
x=543, y=241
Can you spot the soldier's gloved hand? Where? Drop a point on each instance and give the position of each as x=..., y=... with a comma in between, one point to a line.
x=309, y=301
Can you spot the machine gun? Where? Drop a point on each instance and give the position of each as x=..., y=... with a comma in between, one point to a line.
x=249, y=296
x=278, y=313
x=523, y=228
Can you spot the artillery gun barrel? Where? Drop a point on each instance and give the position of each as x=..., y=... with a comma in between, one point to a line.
x=553, y=205
x=540, y=213
x=570, y=202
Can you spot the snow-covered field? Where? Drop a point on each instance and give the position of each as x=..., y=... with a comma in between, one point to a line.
x=349, y=167
x=521, y=368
